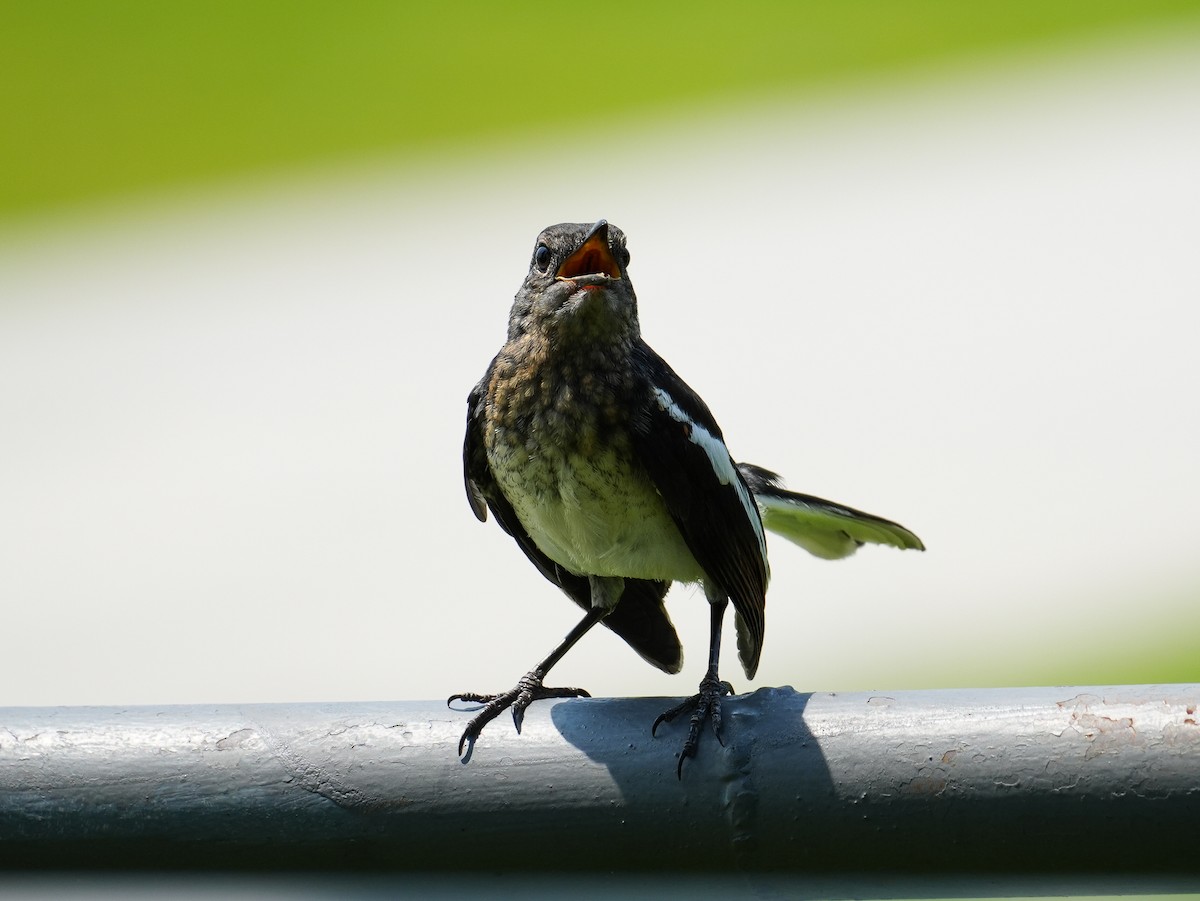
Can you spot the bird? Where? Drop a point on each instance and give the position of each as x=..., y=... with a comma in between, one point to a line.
x=614, y=479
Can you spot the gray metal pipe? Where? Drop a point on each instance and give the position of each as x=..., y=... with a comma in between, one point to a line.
x=1033, y=779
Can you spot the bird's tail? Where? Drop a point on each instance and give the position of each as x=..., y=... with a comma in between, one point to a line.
x=821, y=527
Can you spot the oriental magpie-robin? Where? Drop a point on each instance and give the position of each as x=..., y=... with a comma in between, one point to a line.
x=614, y=479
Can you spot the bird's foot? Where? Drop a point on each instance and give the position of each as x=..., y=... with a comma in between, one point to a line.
x=704, y=705
x=528, y=690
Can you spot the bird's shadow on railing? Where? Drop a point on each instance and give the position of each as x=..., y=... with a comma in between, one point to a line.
x=763, y=734
x=617, y=733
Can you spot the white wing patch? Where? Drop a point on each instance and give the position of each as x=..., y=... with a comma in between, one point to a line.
x=718, y=457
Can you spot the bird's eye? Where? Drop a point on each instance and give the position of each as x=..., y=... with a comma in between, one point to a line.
x=541, y=257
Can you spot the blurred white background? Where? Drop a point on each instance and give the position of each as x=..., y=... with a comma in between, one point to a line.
x=230, y=464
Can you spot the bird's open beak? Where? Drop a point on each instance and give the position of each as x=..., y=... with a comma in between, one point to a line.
x=593, y=258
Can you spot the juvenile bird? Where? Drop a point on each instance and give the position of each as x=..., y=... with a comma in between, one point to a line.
x=614, y=479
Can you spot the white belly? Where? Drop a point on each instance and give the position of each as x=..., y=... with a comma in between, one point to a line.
x=597, y=518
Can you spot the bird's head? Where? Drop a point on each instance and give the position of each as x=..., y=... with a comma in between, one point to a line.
x=577, y=285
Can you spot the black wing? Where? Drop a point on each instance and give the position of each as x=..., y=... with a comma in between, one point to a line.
x=639, y=617
x=681, y=447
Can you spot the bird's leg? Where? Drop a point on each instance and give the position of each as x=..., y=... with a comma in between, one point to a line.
x=529, y=688
x=705, y=704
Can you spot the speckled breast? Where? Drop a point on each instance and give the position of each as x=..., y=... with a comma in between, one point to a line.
x=558, y=444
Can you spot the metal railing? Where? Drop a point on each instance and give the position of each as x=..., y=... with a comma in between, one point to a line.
x=1087, y=780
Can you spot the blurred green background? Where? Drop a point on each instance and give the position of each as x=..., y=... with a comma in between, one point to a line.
x=105, y=99
x=233, y=416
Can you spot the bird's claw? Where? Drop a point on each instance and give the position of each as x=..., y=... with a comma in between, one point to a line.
x=519, y=697
x=705, y=704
